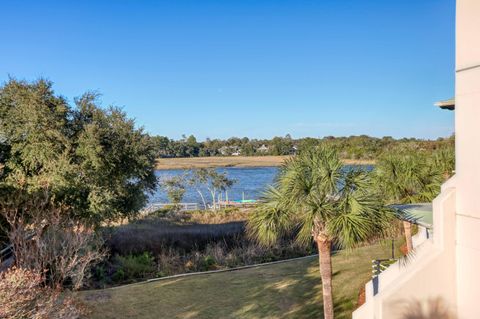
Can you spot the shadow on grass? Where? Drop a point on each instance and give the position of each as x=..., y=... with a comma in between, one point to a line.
x=286, y=290
x=296, y=296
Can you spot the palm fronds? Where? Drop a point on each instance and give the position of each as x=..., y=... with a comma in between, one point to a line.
x=315, y=195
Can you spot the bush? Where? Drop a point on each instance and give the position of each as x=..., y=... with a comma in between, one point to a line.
x=220, y=256
x=133, y=267
x=172, y=244
x=225, y=215
x=208, y=263
x=46, y=238
x=23, y=295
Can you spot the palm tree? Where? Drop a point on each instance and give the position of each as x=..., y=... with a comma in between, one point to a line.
x=407, y=179
x=316, y=196
x=444, y=161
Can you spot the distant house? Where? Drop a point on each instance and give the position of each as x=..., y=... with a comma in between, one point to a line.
x=294, y=150
x=263, y=149
x=224, y=150
x=230, y=150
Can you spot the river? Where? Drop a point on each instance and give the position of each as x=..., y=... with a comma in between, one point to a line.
x=250, y=182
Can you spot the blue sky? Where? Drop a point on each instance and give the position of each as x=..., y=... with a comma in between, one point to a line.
x=245, y=68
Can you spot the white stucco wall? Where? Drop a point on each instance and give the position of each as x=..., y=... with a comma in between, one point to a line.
x=449, y=267
x=429, y=275
x=467, y=127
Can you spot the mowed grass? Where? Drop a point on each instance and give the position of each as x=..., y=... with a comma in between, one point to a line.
x=287, y=290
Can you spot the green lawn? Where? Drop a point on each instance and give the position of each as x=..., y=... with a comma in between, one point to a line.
x=288, y=290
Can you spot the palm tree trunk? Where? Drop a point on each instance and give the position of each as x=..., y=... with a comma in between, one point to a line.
x=325, y=261
x=407, y=227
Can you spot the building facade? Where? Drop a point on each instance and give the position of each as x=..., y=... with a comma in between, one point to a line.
x=445, y=270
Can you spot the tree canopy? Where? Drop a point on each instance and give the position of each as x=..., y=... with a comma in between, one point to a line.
x=91, y=158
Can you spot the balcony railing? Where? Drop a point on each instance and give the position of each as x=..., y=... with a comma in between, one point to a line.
x=379, y=265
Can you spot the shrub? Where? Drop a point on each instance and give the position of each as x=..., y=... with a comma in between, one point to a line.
x=225, y=215
x=162, y=212
x=23, y=295
x=46, y=238
x=180, y=246
x=134, y=267
x=208, y=263
x=170, y=262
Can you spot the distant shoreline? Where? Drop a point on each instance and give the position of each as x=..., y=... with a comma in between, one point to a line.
x=233, y=161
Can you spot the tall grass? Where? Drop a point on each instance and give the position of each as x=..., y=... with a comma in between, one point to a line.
x=173, y=243
x=157, y=235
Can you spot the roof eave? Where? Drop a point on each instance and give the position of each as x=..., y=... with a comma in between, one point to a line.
x=446, y=104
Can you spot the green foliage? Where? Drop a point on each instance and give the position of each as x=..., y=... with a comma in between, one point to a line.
x=444, y=161
x=410, y=178
x=90, y=158
x=175, y=187
x=212, y=180
x=316, y=195
x=361, y=147
x=133, y=267
x=208, y=263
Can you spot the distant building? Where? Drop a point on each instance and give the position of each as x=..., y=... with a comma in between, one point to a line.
x=263, y=149
x=230, y=150
x=224, y=150
x=294, y=150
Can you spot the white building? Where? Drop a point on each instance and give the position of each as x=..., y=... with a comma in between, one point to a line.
x=263, y=149
x=445, y=269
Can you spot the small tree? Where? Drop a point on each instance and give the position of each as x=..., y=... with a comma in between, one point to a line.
x=213, y=181
x=175, y=188
x=410, y=178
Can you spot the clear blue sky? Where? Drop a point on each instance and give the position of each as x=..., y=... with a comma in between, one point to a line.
x=245, y=68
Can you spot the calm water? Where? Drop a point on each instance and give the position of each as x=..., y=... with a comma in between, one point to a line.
x=250, y=182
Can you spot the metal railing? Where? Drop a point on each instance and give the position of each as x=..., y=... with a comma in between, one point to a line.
x=380, y=265
x=182, y=206
x=6, y=253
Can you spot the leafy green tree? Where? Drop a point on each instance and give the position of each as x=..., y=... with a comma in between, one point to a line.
x=281, y=146
x=192, y=147
x=326, y=203
x=92, y=159
x=213, y=181
x=162, y=146
x=248, y=149
x=175, y=188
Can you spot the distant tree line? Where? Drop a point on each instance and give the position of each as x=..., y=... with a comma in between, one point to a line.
x=361, y=147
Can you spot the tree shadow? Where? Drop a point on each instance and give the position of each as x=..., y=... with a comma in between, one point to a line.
x=298, y=296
